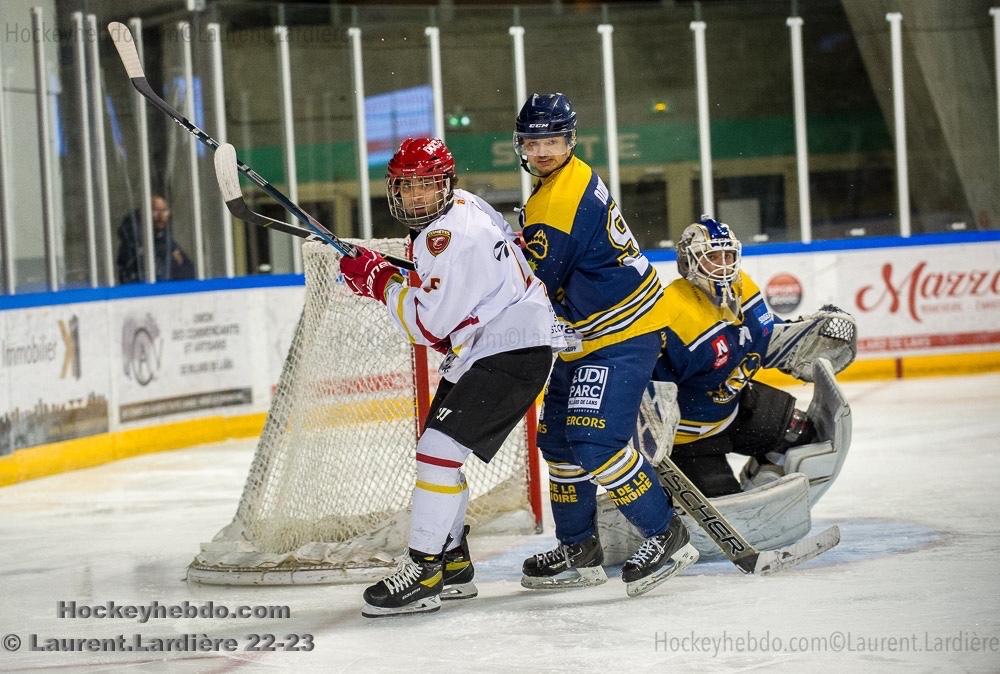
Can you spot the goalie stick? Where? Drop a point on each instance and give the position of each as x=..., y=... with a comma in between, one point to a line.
x=732, y=543
x=654, y=437
x=125, y=44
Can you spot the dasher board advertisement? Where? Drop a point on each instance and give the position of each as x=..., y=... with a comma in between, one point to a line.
x=54, y=382
x=184, y=354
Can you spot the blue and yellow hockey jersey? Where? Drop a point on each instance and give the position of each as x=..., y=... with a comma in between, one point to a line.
x=710, y=356
x=579, y=245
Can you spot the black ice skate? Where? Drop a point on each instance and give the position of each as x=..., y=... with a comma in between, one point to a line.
x=415, y=587
x=458, y=571
x=658, y=558
x=566, y=567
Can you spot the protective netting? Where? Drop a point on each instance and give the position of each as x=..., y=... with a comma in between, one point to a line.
x=331, y=480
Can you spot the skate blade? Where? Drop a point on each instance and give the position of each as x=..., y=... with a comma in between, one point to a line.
x=459, y=591
x=426, y=605
x=682, y=559
x=567, y=580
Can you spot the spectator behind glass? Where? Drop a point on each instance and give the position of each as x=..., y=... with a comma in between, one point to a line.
x=172, y=263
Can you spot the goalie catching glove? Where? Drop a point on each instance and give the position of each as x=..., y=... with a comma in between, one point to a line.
x=368, y=274
x=830, y=333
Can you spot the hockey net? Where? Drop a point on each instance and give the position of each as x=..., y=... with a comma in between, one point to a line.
x=327, y=496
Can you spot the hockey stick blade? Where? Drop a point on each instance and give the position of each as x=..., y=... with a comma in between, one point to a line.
x=125, y=45
x=773, y=561
x=229, y=184
x=228, y=176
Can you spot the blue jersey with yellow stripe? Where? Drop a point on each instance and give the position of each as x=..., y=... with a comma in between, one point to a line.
x=711, y=355
x=578, y=244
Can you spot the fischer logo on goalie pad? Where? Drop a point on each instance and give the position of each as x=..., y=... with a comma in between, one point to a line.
x=437, y=241
x=586, y=391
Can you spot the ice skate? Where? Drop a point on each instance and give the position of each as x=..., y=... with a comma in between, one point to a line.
x=658, y=558
x=459, y=571
x=415, y=587
x=566, y=567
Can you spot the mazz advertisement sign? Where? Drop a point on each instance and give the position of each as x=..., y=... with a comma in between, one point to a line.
x=907, y=300
x=926, y=298
x=184, y=354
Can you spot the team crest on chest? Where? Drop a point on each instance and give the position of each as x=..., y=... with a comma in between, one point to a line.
x=437, y=241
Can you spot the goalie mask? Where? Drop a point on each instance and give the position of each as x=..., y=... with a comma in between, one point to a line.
x=708, y=255
x=420, y=182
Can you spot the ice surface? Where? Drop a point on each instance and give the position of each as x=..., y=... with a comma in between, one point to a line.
x=917, y=504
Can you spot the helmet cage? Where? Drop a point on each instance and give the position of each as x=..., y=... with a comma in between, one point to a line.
x=417, y=201
x=708, y=255
x=420, y=181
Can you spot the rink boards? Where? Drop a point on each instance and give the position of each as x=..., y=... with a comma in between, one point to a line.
x=94, y=375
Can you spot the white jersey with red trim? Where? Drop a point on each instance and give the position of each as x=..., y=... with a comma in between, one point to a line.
x=477, y=296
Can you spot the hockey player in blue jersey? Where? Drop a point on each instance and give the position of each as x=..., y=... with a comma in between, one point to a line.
x=720, y=333
x=605, y=289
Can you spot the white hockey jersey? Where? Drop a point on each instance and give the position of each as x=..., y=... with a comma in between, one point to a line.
x=477, y=296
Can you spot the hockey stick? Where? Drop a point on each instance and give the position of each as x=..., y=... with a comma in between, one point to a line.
x=125, y=44
x=227, y=174
x=228, y=177
x=732, y=543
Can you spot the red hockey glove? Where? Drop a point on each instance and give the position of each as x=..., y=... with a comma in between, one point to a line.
x=368, y=274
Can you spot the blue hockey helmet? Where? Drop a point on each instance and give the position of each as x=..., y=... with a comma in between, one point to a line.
x=545, y=127
x=708, y=255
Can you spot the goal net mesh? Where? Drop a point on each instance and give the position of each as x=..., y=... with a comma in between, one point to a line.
x=327, y=496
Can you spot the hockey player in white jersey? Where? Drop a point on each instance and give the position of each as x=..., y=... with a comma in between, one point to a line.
x=479, y=304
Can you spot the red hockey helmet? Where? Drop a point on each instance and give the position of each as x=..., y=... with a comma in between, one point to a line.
x=420, y=181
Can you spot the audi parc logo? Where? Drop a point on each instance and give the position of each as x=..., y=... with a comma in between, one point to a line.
x=783, y=293
x=142, y=348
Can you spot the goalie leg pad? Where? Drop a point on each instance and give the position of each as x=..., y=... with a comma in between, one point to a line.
x=831, y=415
x=440, y=494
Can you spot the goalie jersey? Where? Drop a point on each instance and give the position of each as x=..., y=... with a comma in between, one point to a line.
x=477, y=296
x=711, y=357
x=577, y=242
